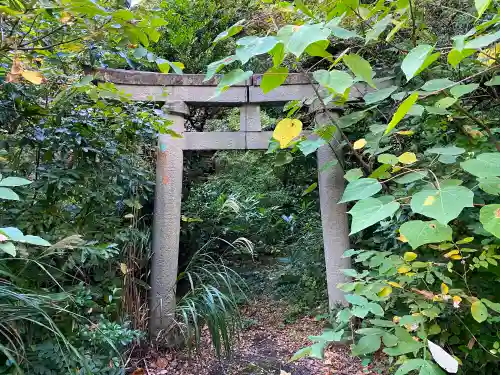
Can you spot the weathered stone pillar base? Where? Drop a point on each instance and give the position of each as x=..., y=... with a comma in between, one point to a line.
x=335, y=224
x=166, y=229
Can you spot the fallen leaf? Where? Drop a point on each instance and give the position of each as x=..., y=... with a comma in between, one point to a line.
x=161, y=363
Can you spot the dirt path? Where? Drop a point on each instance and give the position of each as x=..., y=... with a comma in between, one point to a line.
x=264, y=348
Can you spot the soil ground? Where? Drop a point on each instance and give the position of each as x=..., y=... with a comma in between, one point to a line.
x=264, y=348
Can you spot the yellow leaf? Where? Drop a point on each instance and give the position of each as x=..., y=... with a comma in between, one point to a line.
x=429, y=200
x=488, y=55
x=395, y=169
x=411, y=274
x=33, y=77
x=286, y=130
x=444, y=289
x=66, y=17
x=456, y=257
x=404, y=269
x=453, y=252
x=359, y=144
x=123, y=268
x=406, y=132
x=409, y=256
x=402, y=238
x=394, y=284
x=407, y=158
x=385, y=291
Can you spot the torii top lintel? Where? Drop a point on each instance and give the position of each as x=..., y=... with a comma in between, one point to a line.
x=192, y=89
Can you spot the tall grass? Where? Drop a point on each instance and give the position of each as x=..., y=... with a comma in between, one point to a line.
x=211, y=301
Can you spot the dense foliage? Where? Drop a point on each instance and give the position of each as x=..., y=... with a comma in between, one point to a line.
x=424, y=214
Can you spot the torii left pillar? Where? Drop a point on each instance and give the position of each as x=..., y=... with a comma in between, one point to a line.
x=167, y=218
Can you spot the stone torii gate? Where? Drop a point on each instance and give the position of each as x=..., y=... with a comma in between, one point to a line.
x=177, y=91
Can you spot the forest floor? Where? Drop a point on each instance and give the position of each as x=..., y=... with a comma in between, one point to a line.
x=264, y=348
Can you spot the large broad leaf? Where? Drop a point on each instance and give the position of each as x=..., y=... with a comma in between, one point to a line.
x=360, y=67
x=360, y=189
x=481, y=6
x=286, y=130
x=8, y=248
x=444, y=204
x=429, y=368
x=378, y=28
x=403, y=347
x=447, y=150
x=232, y=78
x=482, y=41
x=216, y=66
x=366, y=345
x=13, y=233
x=461, y=90
x=35, y=240
x=418, y=232
x=489, y=216
x=273, y=78
x=415, y=60
x=379, y=95
x=14, y=181
x=479, y=311
x=411, y=177
x=8, y=194
x=337, y=80
x=305, y=35
x=309, y=146
x=251, y=46
x=490, y=185
x=410, y=365
x=437, y=84
x=485, y=165
x=370, y=211
x=233, y=30
x=401, y=111
x=442, y=358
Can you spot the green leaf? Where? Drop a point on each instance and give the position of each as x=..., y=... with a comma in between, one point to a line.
x=251, y=46
x=419, y=232
x=351, y=118
x=447, y=150
x=233, y=30
x=123, y=14
x=360, y=189
x=410, y=365
x=337, y=80
x=455, y=56
x=429, y=368
x=318, y=350
x=479, y=311
x=366, y=345
x=8, y=194
x=437, y=84
x=360, y=67
x=283, y=158
x=356, y=300
x=304, y=36
x=309, y=189
x=378, y=28
x=494, y=81
x=353, y=174
x=490, y=185
x=485, y=165
x=492, y=305
x=370, y=211
x=444, y=204
x=411, y=177
x=304, y=352
x=382, y=323
x=482, y=41
x=308, y=146
x=212, y=68
x=489, y=216
x=401, y=111
x=342, y=33
x=379, y=95
x=232, y=78
x=445, y=102
x=329, y=335
x=165, y=65
x=375, y=309
x=13, y=233
x=403, y=347
x=461, y=90
x=8, y=247
x=273, y=78
x=428, y=61
x=481, y=6
x=303, y=7
x=140, y=52
x=14, y=181
x=388, y=159
x=415, y=60
x=35, y=240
